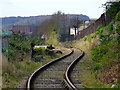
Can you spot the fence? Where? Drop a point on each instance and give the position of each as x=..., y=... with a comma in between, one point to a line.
x=103, y=20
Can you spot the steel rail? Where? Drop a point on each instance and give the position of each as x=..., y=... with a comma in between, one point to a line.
x=34, y=74
x=68, y=71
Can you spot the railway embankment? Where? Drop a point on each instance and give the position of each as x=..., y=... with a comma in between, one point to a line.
x=101, y=61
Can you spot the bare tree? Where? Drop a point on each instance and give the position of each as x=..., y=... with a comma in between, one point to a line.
x=58, y=20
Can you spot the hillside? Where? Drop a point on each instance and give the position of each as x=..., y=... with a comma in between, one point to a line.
x=7, y=22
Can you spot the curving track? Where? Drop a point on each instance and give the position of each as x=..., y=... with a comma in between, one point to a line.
x=71, y=75
x=51, y=74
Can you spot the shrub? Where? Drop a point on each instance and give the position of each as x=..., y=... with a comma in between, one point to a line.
x=11, y=52
x=74, y=41
x=38, y=51
x=89, y=38
x=98, y=52
x=85, y=38
x=92, y=35
x=3, y=50
x=118, y=29
x=48, y=52
x=112, y=8
x=99, y=29
x=110, y=28
x=118, y=16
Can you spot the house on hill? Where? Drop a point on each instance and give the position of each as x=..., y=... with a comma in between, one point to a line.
x=73, y=31
x=23, y=29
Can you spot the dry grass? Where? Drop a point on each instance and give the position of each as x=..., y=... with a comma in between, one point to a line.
x=3, y=66
x=88, y=44
x=16, y=71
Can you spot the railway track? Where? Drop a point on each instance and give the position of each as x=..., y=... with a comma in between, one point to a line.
x=71, y=75
x=51, y=75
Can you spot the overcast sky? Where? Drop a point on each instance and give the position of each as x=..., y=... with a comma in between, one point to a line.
x=91, y=8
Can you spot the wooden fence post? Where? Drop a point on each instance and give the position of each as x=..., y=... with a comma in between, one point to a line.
x=32, y=51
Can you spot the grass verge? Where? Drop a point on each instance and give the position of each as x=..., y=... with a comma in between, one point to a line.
x=18, y=70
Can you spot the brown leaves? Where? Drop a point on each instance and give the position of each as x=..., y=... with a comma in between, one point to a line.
x=110, y=74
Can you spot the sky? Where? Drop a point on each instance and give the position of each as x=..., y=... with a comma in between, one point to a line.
x=91, y=8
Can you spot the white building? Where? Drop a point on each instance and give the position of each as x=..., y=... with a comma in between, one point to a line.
x=72, y=31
